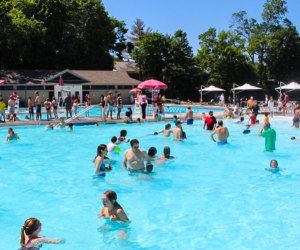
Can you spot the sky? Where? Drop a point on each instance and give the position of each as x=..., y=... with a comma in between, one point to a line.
x=192, y=16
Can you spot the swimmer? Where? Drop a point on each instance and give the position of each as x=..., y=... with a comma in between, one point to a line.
x=50, y=126
x=135, y=157
x=222, y=133
x=177, y=132
x=11, y=135
x=241, y=120
x=175, y=118
x=266, y=118
x=167, y=131
x=166, y=155
x=158, y=117
x=203, y=116
x=152, y=151
x=61, y=123
x=70, y=127
x=270, y=136
x=111, y=208
x=189, y=116
x=274, y=167
x=247, y=130
x=122, y=138
x=100, y=168
x=138, y=120
x=111, y=147
x=293, y=138
x=30, y=238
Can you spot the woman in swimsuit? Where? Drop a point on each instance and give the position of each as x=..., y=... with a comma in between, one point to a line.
x=30, y=239
x=100, y=168
x=111, y=208
x=11, y=135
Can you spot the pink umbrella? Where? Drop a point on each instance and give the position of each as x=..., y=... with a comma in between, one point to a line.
x=134, y=90
x=2, y=82
x=152, y=84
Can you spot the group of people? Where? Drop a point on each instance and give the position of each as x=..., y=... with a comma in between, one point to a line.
x=137, y=160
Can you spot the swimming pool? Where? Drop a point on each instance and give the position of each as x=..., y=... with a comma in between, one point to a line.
x=208, y=197
x=96, y=111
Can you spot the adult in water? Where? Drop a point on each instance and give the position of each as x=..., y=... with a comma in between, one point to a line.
x=189, y=118
x=100, y=168
x=270, y=136
x=111, y=208
x=30, y=238
x=296, y=118
x=210, y=121
x=222, y=133
x=135, y=156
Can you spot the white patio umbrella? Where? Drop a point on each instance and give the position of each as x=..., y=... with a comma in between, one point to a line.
x=211, y=88
x=291, y=86
x=244, y=87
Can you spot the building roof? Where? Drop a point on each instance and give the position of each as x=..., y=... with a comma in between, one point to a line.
x=90, y=77
x=125, y=66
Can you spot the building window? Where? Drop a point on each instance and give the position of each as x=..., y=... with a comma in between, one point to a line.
x=124, y=87
x=39, y=87
x=6, y=87
x=21, y=87
x=86, y=86
x=49, y=87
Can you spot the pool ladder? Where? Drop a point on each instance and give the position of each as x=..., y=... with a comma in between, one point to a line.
x=80, y=113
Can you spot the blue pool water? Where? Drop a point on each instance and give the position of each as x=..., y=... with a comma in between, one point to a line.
x=208, y=197
x=96, y=111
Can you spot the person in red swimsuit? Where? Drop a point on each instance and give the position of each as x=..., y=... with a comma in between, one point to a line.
x=210, y=121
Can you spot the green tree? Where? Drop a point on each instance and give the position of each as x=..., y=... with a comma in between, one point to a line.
x=58, y=34
x=223, y=57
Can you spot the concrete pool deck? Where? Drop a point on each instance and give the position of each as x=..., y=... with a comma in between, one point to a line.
x=90, y=120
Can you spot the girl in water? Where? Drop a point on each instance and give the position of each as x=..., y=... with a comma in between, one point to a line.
x=111, y=208
x=100, y=168
x=30, y=238
x=11, y=135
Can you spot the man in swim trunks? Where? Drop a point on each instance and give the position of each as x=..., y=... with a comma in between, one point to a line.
x=135, y=157
x=38, y=106
x=210, y=121
x=296, y=119
x=222, y=133
x=177, y=132
x=270, y=136
x=189, y=116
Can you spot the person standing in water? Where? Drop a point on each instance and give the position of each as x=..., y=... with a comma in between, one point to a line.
x=222, y=133
x=270, y=136
x=111, y=208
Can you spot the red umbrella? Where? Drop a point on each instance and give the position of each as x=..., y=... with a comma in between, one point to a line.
x=135, y=90
x=152, y=84
x=2, y=82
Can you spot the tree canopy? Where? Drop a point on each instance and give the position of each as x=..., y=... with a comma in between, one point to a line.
x=58, y=34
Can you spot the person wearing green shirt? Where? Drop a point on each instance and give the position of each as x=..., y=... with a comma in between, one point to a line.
x=270, y=136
